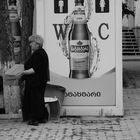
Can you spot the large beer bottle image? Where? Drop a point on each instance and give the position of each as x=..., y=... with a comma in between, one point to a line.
x=79, y=43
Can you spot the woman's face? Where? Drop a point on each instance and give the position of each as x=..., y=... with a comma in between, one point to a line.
x=34, y=46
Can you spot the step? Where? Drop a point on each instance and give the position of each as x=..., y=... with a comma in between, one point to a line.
x=133, y=51
x=126, y=34
x=131, y=54
x=131, y=37
x=130, y=49
x=130, y=43
x=130, y=46
x=128, y=39
x=131, y=58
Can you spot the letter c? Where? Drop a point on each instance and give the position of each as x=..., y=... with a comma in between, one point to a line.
x=99, y=31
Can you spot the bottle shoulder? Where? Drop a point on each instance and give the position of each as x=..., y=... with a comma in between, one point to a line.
x=79, y=31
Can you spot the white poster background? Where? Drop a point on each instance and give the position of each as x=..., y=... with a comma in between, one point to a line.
x=59, y=64
x=105, y=80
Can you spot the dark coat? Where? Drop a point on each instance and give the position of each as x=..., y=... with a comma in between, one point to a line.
x=33, y=106
x=40, y=63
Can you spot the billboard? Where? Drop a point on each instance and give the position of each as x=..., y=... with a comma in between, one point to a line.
x=82, y=39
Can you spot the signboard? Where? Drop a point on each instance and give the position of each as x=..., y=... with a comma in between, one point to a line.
x=83, y=42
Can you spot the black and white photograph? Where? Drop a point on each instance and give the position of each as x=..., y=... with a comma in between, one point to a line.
x=69, y=69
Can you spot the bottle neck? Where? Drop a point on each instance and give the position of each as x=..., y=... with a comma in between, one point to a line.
x=79, y=4
x=79, y=14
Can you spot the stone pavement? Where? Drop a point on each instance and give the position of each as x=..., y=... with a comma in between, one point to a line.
x=76, y=128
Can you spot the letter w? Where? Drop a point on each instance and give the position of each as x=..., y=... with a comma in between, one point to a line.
x=62, y=30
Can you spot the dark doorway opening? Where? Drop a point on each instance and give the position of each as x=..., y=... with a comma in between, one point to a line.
x=2, y=110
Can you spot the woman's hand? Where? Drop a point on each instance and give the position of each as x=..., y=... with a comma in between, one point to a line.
x=28, y=72
x=19, y=74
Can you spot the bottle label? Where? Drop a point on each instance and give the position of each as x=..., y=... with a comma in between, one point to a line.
x=13, y=15
x=79, y=54
x=79, y=15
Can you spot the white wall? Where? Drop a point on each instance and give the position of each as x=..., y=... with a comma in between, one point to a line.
x=137, y=16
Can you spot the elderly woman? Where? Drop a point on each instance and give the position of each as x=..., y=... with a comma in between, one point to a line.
x=36, y=75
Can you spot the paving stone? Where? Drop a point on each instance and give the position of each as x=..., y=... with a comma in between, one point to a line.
x=99, y=128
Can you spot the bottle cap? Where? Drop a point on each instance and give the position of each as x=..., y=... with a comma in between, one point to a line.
x=79, y=1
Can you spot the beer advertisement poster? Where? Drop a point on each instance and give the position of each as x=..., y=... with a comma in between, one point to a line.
x=82, y=39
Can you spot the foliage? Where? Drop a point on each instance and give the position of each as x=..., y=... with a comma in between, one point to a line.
x=27, y=8
x=126, y=11
x=5, y=36
x=6, y=40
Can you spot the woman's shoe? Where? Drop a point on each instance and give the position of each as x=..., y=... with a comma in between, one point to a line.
x=42, y=121
x=33, y=122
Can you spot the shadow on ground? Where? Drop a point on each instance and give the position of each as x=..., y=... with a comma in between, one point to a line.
x=131, y=78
